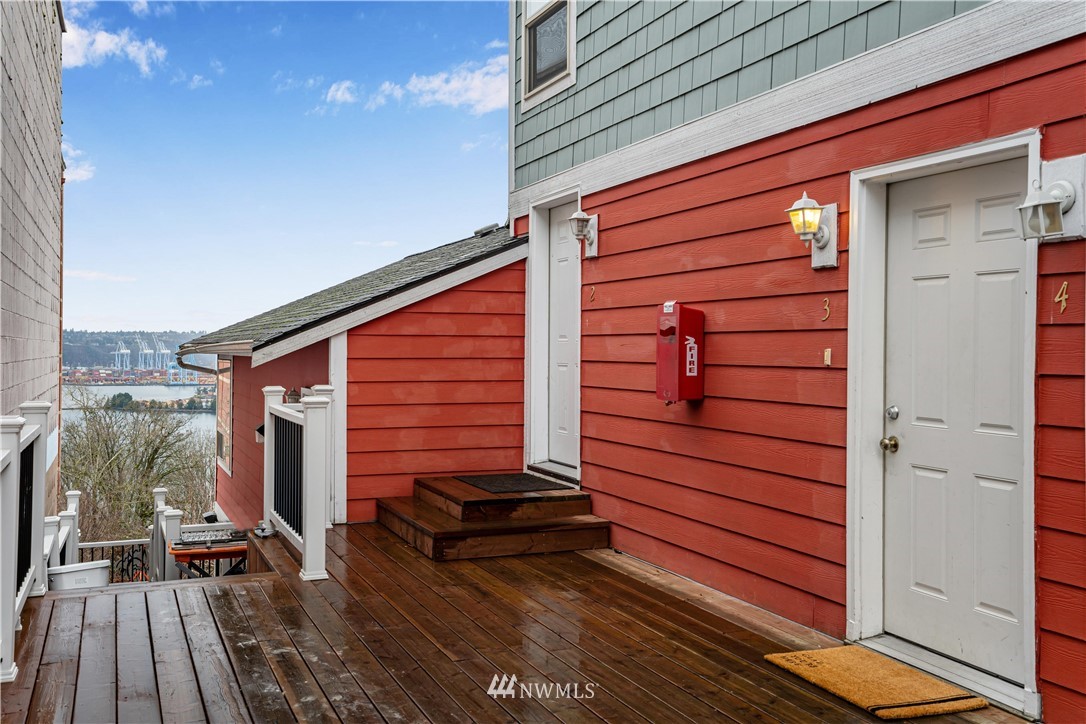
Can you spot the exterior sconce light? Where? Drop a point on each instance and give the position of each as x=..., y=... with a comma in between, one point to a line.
x=1043, y=210
x=293, y=397
x=813, y=222
x=584, y=229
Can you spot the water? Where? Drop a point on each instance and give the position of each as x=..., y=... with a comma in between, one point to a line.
x=201, y=422
x=138, y=392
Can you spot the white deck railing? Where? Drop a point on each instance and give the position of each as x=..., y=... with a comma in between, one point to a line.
x=165, y=527
x=297, y=474
x=22, y=513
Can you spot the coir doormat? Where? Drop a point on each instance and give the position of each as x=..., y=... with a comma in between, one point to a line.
x=512, y=483
x=886, y=688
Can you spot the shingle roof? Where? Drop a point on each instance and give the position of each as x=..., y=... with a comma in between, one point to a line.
x=361, y=291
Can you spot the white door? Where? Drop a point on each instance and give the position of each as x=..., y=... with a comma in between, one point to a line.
x=955, y=338
x=564, y=341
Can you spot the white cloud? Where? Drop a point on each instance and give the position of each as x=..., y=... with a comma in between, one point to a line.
x=96, y=276
x=342, y=91
x=77, y=9
x=486, y=140
x=193, y=82
x=91, y=44
x=287, y=82
x=481, y=88
x=217, y=66
x=143, y=8
x=496, y=44
x=75, y=169
x=277, y=30
x=386, y=91
x=382, y=244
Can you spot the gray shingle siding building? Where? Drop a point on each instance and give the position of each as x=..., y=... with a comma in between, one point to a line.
x=30, y=205
x=643, y=68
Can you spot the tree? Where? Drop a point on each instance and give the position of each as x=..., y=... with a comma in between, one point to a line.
x=117, y=457
x=119, y=401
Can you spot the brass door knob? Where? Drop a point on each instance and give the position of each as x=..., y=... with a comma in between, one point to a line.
x=889, y=444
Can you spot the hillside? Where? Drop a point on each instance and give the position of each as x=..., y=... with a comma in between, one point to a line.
x=95, y=349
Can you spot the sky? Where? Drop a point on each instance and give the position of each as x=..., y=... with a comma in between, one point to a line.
x=224, y=158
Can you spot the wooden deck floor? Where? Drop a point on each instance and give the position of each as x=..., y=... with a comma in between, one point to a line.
x=394, y=637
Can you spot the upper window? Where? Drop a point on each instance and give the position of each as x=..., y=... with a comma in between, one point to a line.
x=548, y=38
x=548, y=63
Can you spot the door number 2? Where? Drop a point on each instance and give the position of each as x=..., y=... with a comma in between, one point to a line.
x=1061, y=297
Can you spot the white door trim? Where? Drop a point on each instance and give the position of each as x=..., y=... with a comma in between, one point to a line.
x=866, y=362
x=537, y=325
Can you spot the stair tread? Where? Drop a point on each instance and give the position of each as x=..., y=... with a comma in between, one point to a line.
x=464, y=494
x=440, y=525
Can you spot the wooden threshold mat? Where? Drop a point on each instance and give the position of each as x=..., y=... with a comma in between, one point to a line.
x=886, y=688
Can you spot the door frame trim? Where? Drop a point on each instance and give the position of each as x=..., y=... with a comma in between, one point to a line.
x=537, y=325
x=866, y=365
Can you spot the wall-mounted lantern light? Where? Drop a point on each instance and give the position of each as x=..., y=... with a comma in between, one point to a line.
x=817, y=223
x=584, y=229
x=1043, y=210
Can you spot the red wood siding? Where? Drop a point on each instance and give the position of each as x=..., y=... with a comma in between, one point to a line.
x=241, y=495
x=1061, y=477
x=745, y=492
x=520, y=226
x=436, y=388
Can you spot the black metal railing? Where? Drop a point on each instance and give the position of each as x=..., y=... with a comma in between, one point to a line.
x=26, y=514
x=287, y=485
x=128, y=559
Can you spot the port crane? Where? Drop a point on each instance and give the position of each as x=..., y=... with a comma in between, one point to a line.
x=162, y=354
x=122, y=358
x=146, y=355
x=176, y=375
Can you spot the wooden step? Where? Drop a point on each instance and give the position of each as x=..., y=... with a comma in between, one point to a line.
x=273, y=555
x=468, y=503
x=441, y=537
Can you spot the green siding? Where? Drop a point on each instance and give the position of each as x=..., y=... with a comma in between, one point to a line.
x=648, y=66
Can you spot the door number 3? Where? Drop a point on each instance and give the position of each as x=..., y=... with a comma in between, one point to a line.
x=826, y=306
x=1061, y=297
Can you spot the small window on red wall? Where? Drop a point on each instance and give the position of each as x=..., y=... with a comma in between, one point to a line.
x=224, y=411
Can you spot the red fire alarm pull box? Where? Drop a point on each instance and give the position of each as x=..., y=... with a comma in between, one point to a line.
x=680, y=342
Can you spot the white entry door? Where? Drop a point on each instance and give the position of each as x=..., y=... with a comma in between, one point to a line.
x=955, y=337
x=564, y=341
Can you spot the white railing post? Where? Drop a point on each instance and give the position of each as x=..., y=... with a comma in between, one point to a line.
x=50, y=532
x=158, y=547
x=37, y=413
x=273, y=395
x=329, y=392
x=73, y=535
x=11, y=429
x=315, y=461
x=172, y=524
x=68, y=537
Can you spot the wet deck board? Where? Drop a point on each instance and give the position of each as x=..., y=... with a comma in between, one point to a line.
x=392, y=636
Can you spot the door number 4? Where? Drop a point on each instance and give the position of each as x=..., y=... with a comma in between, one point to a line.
x=1061, y=297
